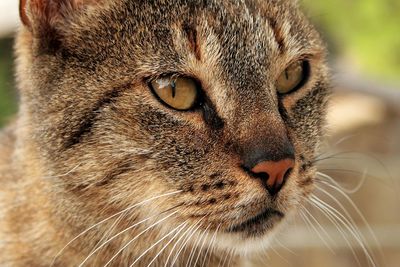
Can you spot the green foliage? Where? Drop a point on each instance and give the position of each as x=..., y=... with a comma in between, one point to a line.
x=7, y=93
x=364, y=32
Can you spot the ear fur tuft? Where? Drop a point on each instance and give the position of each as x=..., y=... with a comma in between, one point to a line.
x=43, y=18
x=45, y=13
x=22, y=13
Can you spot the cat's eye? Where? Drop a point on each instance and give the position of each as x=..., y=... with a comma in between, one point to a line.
x=180, y=93
x=293, y=77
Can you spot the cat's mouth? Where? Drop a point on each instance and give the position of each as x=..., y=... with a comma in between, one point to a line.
x=258, y=224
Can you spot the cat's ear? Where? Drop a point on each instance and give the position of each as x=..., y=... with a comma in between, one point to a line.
x=44, y=14
x=45, y=19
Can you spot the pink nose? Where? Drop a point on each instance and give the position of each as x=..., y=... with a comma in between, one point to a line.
x=275, y=173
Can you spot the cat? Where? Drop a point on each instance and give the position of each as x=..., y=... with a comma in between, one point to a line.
x=159, y=133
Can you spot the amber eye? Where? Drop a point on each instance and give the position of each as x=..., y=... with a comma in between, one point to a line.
x=293, y=77
x=177, y=92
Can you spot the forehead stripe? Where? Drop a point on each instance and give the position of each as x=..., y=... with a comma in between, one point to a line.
x=191, y=34
x=278, y=34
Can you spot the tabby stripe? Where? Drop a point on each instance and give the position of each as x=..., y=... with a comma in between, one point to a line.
x=90, y=117
x=121, y=167
x=191, y=34
x=279, y=38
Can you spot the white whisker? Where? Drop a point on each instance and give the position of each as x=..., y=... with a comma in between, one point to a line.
x=114, y=237
x=186, y=241
x=320, y=226
x=222, y=262
x=210, y=245
x=316, y=230
x=285, y=247
x=137, y=236
x=353, y=205
x=231, y=257
x=106, y=219
x=347, y=191
x=181, y=227
x=106, y=235
x=338, y=227
x=348, y=225
x=177, y=242
x=203, y=238
x=65, y=174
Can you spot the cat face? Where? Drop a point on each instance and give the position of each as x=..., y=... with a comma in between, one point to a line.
x=257, y=86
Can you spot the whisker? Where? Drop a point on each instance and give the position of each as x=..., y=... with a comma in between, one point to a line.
x=263, y=256
x=202, y=238
x=302, y=215
x=347, y=217
x=347, y=214
x=185, y=242
x=363, y=175
x=179, y=239
x=354, y=206
x=319, y=225
x=316, y=230
x=65, y=174
x=344, y=139
x=346, y=223
x=231, y=257
x=285, y=247
x=369, y=156
x=106, y=219
x=341, y=226
x=210, y=245
x=214, y=246
x=333, y=155
x=338, y=227
x=138, y=235
x=106, y=236
x=349, y=191
x=228, y=253
x=114, y=237
x=279, y=255
x=193, y=248
x=178, y=229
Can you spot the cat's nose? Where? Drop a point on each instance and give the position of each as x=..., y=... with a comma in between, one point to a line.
x=269, y=155
x=273, y=173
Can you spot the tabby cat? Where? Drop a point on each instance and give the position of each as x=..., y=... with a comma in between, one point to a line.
x=158, y=133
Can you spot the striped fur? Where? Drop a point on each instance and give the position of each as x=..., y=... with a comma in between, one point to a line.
x=91, y=140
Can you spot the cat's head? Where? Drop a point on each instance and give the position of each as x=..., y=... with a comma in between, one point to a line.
x=216, y=107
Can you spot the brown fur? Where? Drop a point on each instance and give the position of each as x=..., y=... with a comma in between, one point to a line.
x=91, y=140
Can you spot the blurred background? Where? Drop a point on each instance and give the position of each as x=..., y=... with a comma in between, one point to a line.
x=354, y=218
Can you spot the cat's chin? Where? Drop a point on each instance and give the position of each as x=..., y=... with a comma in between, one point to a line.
x=259, y=225
x=246, y=246
x=254, y=235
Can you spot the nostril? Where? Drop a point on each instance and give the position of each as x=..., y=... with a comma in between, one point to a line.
x=281, y=183
x=263, y=176
x=287, y=174
x=273, y=174
x=260, y=175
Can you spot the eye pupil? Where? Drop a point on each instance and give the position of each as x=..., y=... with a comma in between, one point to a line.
x=179, y=93
x=173, y=88
x=292, y=78
x=286, y=74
